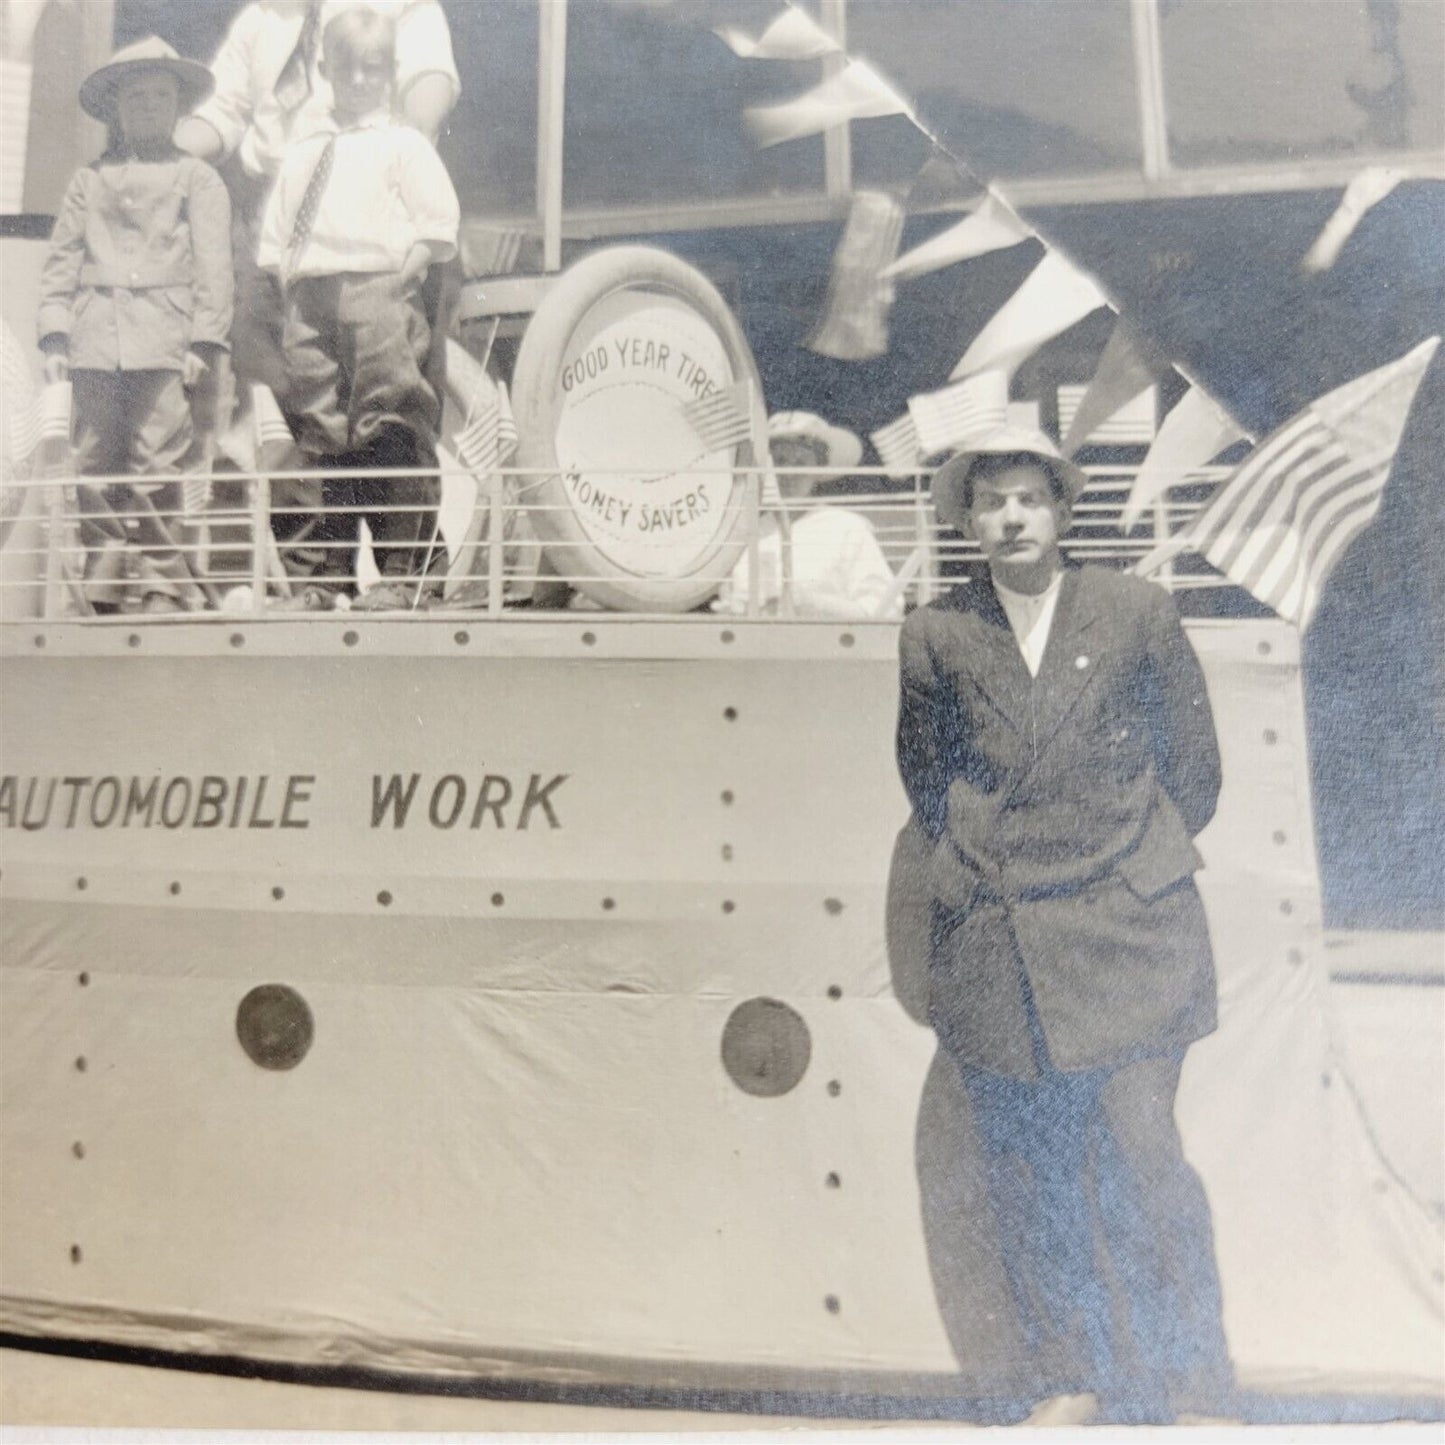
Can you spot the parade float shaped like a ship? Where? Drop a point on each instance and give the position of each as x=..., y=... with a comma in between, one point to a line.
x=501, y=999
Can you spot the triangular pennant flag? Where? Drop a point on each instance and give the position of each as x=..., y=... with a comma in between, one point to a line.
x=854, y=325
x=1054, y=296
x=992, y=227
x=897, y=446
x=1195, y=431
x=1280, y=523
x=723, y=419
x=948, y=418
x=855, y=93
x=1128, y=366
x=1367, y=189
x=794, y=35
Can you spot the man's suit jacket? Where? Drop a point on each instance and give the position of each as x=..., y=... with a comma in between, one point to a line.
x=1053, y=824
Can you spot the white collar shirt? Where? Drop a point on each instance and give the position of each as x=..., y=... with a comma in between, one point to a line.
x=387, y=190
x=1031, y=617
x=243, y=109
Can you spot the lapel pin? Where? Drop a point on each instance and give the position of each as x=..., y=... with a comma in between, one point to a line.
x=1081, y=662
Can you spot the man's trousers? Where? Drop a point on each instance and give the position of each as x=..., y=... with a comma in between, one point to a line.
x=1105, y=1231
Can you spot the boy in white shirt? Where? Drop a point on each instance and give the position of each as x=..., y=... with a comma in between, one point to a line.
x=360, y=212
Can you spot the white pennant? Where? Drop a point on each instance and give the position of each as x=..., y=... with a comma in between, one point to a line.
x=992, y=227
x=1054, y=296
x=1367, y=189
x=1196, y=430
x=857, y=92
x=794, y=35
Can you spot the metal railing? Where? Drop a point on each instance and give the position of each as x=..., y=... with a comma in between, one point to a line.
x=220, y=544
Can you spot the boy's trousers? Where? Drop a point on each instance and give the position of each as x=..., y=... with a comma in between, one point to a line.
x=355, y=349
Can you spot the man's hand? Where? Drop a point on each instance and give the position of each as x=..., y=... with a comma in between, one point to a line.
x=193, y=368
x=57, y=368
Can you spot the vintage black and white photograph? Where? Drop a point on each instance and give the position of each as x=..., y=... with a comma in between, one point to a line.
x=722, y=714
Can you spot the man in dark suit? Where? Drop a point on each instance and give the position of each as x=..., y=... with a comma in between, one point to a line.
x=1056, y=741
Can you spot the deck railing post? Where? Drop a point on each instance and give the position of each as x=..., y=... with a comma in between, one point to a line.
x=1165, y=574
x=924, y=540
x=54, y=524
x=496, y=551
x=260, y=540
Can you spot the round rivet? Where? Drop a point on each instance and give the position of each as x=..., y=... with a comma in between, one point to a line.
x=1270, y=736
x=833, y=1181
x=278, y=893
x=834, y=1088
x=833, y=906
x=728, y=905
x=462, y=638
x=133, y=640
x=80, y=1064
x=1264, y=649
x=78, y=1149
x=82, y=884
x=1325, y=1080
x=727, y=797
x=238, y=639
x=834, y=992
x=497, y=900
x=1279, y=836
x=589, y=639
x=350, y=638
x=83, y=979
x=75, y=1254
x=832, y=1304
x=730, y=713
x=727, y=637
x=846, y=640
x=275, y=1026
x=384, y=898
x=727, y=852
x=39, y=640
x=765, y=1047
x=608, y=904
x=175, y=889
x=1286, y=907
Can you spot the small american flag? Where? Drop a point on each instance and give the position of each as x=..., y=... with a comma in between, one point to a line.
x=1279, y=524
x=945, y=419
x=723, y=419
x=490, y=436
x=270, y=425
x=897, y=444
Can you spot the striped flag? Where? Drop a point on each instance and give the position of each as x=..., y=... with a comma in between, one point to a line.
x=897, y=445
x=490, y=435
x=724, y=418
x=947, y=418
x=1279, y=524
x=270, y=425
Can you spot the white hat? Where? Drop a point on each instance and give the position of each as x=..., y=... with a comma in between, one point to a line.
x=97, y=91
x=842, y=449
x=1008, y=440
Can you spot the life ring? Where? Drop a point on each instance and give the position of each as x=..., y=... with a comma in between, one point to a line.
x=632, y=505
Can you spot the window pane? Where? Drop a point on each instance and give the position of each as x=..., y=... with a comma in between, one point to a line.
x=655, y=107
x=490, y=142
x=1015, y=87
x=1306, y=78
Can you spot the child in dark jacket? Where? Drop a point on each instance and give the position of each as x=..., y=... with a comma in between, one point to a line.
x=136, y=301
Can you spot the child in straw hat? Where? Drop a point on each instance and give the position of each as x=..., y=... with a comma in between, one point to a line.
x=136, y=303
